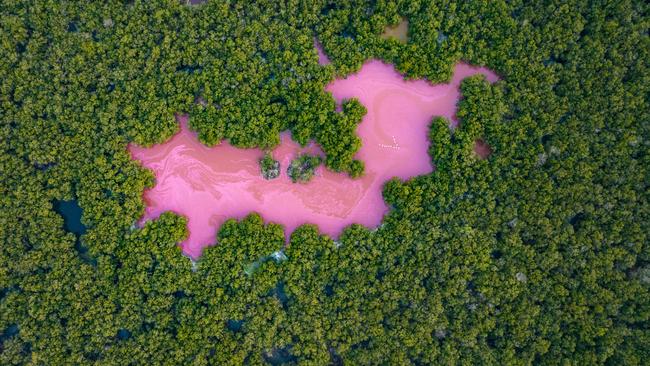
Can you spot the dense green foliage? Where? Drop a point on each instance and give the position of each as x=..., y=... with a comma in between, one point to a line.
x=302, y=168
x=539, y=254
x=269, y=167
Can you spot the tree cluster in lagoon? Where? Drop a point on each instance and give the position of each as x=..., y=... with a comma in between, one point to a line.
x=269, y=167
x=300, y=170
x=538, y=254
x=303, y=167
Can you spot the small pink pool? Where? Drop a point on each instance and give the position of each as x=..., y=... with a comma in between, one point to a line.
x=209, y=185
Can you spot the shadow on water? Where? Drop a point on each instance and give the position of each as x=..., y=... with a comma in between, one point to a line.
x=123, y=334
x=9, y=332
x=281, y=294
x=280, y=356
x=71, y=212
x=234, y=325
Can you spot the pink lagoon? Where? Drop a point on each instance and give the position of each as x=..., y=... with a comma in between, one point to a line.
x=209, y=185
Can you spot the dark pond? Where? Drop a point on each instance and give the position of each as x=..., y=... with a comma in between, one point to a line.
x=71, y=212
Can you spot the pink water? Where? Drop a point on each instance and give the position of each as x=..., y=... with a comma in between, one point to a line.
x=322, y=57
x=209, y=185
